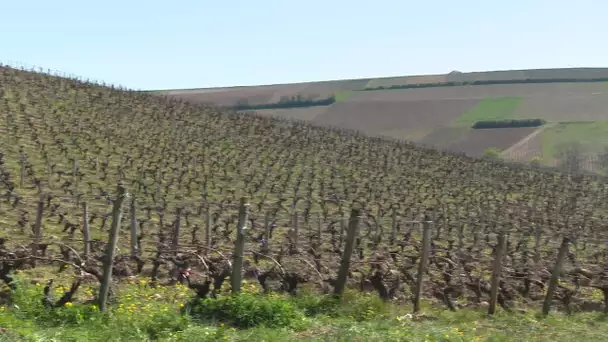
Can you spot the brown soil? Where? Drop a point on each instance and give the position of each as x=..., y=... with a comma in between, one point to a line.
x=478, y=140
x=379, y=116
x=230, y=97
x=479, y=92
x=390, y=81
x=566, y=106
x=295, y=113
x=527, y=151
x=425, y=115
x=530, y=74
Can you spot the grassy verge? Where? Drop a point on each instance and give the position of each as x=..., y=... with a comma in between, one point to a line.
x=143, y=313
x=497, y=108
x=592, y=136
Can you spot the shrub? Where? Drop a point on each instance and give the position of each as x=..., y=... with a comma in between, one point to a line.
x=363, y=306
x=313, y=305
x=355, y=305
x=492, y=152
x=247, y=310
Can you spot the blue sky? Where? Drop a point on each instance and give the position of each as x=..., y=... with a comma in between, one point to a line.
x=188, y=44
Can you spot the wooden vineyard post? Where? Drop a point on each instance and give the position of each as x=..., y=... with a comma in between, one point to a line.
x=112, y=240
x=74, y=169
x=341, y=236
x=296, y=229
x=351, y=235
x=75, y=182
x=561, y=254
x=176, y=230
x=537, y=247
x=426, y=246
x=86, y=230
x=134, y=251
x=393, y=225
x=267, y=227
x=237, y=263
x=38, y=228
x=319, y=228
x=207, y=229
x=496, y=272
x=22, y=168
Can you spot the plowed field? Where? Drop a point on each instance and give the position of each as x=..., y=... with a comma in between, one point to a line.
x=441, y=116
x=378, y=116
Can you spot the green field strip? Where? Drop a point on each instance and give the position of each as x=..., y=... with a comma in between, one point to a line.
x=496, y=108
x=344, y=95
x=443, y=137
x=592, y=136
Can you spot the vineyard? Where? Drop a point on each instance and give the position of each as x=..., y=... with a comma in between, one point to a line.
x=207, y=198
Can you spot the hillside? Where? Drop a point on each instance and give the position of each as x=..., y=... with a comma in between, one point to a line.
x=186, y=168
x=441, y=116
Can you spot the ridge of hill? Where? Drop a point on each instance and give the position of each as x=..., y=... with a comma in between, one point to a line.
x=440, y=110
x=454, y=76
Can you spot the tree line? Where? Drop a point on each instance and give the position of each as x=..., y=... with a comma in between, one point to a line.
x=295, y=101
x=511, y=123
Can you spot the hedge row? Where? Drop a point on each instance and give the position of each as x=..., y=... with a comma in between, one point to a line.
x=296, y=101
x=508, y=123
x=489, y=82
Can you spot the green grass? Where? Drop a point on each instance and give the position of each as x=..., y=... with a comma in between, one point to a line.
x=496, y=108
x=143, y=313
x=592, y=136
x=344, y=95
x=446, y=136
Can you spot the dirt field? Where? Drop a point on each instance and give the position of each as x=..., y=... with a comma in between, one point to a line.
x=481, y=92
x=429, y=115
x=332, y=87
x=379, y=116
x=265, y=94
x=478, y=140
x=563, y=106
x=391, y=81
x=530, y=74
x=527, y=151
x=307, y=114
x=229, y=97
